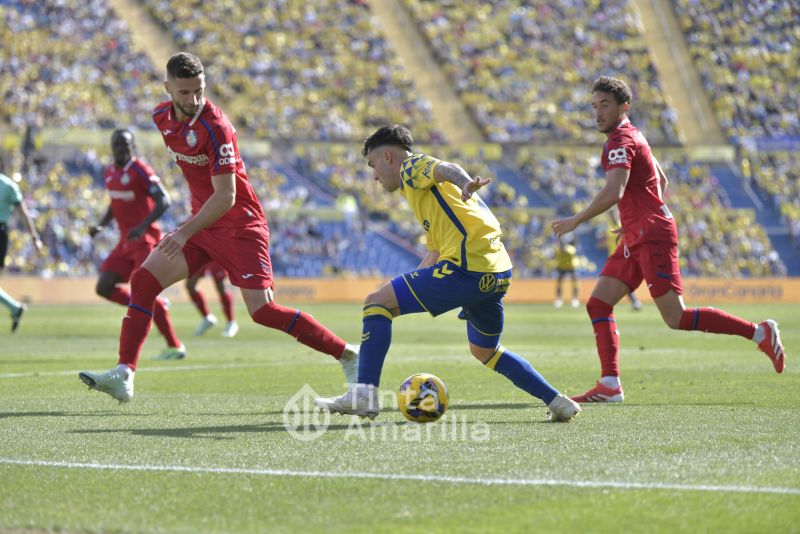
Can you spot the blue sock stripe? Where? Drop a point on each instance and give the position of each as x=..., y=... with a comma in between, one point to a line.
x=696, y=318
x=294, y=321
x=604, y=319
x=135, y=307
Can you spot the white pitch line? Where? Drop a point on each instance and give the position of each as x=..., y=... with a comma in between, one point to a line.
x=417, y=478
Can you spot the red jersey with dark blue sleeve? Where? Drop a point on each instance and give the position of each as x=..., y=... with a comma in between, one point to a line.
x=205, y=146
x=643, y=214
x=130, y=188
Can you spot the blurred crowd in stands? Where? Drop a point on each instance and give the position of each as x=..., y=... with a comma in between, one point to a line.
x=778, y=174
x=524, y=69
x=340, y=221
x=318, y=69
x=748, y=56
x=70, y=64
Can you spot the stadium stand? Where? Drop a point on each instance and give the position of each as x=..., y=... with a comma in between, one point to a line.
x=747, y=54
x=309, y=73
x=319, y=70
x=523, y=69
x=778, y=174
x=70, y=64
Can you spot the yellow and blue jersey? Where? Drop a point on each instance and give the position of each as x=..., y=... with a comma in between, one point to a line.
x=465, y=233
x=566, y=258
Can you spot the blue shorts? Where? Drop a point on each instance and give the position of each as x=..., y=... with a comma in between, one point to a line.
x=444, y=286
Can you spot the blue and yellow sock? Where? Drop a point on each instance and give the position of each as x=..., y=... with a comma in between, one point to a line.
x=376, y=337
x=8, y=302
x=522, y=374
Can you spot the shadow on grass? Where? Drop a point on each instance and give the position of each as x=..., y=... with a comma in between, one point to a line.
x=4, y=415
x=452, y=407
x=223, y=432
x=208, y=432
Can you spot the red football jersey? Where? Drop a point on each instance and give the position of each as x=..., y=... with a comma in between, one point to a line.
x=205, y=146
x=643, y=214
x=129, y=189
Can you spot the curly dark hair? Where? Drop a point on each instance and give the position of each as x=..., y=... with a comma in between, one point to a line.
x=614, y=86
x=184, y=65
x=396, y=135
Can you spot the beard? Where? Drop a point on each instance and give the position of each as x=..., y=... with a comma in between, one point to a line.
x=183, y=110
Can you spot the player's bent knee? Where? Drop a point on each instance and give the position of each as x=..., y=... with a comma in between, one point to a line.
x=482, y=354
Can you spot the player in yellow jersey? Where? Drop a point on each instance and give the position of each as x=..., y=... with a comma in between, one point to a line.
x=566, y=263
x=466, y=266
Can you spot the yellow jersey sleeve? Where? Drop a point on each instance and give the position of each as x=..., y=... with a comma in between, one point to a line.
x=417, y=171
x=465, y=233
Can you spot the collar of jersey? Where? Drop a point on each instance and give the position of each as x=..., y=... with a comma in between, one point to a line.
x=199, y=111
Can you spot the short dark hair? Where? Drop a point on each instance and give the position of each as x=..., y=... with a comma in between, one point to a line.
x=396, y=135
x=614, y=86
x=122, y=131
x=184, y=65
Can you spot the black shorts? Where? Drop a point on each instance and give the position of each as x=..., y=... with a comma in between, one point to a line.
x=3, y=244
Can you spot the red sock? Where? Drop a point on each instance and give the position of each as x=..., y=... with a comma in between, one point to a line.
x=164, y=325
x=301, y=326
x=120, y=296
x=606, y=335
x=716, y=322
x=136, y=325
x=226, y=298
x=199, y=301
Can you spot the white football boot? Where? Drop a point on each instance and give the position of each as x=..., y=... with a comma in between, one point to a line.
x=349, y=361
x=172, y=353
x=562, y=409
x=360, y=400
x=117, y=382
x=231, y=329
x=208, y=322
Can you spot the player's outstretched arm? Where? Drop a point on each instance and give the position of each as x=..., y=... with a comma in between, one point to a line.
x=453, y=173
x=616, y=180
x=99, y=227
x=221, y=200
x=26, y=215
x=162, y=203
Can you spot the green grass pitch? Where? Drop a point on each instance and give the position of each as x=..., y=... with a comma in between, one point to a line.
x=708, y=439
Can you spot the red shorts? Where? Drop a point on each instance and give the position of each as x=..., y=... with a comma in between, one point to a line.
x=656, y=262
x=242, y=252
x=127, y=256
x=216, y=271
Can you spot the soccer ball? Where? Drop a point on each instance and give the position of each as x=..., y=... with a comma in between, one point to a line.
x=422, y=398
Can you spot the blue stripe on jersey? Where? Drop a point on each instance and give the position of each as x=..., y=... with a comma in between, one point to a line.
x=213, y=141
x=140, y=171
x=456, y=223
x=696, y=318
x=161, y=110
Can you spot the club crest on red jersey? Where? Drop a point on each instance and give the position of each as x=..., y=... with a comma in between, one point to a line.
x=191, y=138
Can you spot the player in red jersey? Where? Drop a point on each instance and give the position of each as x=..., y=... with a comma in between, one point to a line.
x=649, y=247
x=138, y=200
x=227, y=225
x=219, y=275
